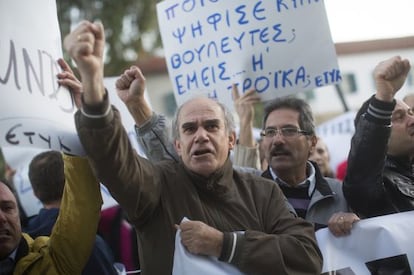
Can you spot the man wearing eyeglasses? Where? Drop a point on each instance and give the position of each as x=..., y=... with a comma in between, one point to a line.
x=288, y=138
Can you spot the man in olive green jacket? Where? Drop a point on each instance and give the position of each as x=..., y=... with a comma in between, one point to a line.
x=69, y=246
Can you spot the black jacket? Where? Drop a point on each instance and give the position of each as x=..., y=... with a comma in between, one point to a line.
x=376, y=183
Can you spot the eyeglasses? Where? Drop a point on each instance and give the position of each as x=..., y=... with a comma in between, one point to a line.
x=285, y=132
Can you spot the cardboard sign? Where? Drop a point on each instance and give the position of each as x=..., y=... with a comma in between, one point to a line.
x=276, y=47
x=34, y=110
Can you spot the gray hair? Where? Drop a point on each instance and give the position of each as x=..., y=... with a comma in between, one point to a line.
x=229, y=123
x=306, y=121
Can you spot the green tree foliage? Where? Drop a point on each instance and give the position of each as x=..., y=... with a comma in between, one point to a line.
x=131, y=27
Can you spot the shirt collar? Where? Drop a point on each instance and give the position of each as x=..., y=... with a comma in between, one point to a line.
x=309, y=181
x=12, y=256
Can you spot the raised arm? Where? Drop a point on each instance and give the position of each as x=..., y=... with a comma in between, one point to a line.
x=363, y=185
x=130, y=87
x=390, y=76
x=86, y=46
x=246, y=151
x=73, y=235
x=150, y=128
x=101, y=132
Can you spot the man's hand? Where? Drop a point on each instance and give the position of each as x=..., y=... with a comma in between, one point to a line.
x=86, y=46
x=244, y=106
x=389, y=77
x=9, y=173
x=340, y=223
x=68, y=79
x=130, y=87
x=200, y=238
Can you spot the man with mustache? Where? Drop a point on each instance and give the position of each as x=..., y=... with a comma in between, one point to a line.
x=288, y=139
x=379, y=178
x=235, y=217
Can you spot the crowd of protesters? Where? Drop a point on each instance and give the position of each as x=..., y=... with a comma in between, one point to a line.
x=256, y=209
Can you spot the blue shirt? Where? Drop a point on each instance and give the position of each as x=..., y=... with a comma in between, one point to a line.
x=101, y=260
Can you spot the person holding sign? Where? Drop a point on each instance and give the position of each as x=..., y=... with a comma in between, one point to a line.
x=237, y=218
x=67, y=249
x=379, y=178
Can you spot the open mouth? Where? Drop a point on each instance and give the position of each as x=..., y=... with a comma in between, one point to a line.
x=4, y=233
x=280, y=153
x=202, y=152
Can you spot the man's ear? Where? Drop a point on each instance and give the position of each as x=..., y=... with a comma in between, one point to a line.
x=232, y=140
x=36, y=194
x=313, y=140
x=177, y=146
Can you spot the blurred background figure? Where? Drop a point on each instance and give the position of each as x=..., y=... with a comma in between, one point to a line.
x=320, y=155
x=341, y=170
x=409, y=99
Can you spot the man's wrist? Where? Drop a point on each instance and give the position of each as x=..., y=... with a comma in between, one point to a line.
x=140, y=111
x=93, y=88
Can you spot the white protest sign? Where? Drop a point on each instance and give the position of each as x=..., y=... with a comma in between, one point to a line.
x=34, y=110
x=19, y=158
x=381, y=245
x=337, y=134
x=277, y=47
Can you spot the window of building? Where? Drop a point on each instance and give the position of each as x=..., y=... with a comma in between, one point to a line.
x=348, y=84
x=170, y=105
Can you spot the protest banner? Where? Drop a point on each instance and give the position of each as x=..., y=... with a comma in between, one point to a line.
x=380, y=245
x=19, y=157
x=36, y=114
x=277, y=47
x=35, y=111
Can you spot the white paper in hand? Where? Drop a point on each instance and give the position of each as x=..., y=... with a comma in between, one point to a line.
x=186, y=263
